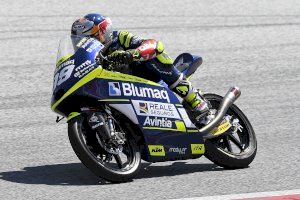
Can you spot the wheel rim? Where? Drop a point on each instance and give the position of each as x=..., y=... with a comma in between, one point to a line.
x=237, y=143
x=123, y=163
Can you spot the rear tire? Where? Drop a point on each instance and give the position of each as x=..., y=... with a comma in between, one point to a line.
x=220, y=150
x=86, y=153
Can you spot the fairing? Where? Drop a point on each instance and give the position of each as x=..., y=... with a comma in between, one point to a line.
x=168, y=133
x=75, y=62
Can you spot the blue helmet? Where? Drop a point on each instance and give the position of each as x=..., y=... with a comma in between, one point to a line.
x=96, y=18
x=94, y=25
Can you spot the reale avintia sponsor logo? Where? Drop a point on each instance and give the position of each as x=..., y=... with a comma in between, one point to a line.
x=155, y=109
x=158, y=122
x=143, y=107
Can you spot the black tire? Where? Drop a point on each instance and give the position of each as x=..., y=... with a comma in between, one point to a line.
x=220, y=150
x=87, y=155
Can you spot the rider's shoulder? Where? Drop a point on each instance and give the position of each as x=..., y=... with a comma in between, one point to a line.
x=126, y=38
x=123, y=35
x=123, y=32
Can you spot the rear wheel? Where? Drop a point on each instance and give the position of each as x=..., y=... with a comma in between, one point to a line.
x=237, y=147
x=120, y=166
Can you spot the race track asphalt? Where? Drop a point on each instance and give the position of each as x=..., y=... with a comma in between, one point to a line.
x=252, y=44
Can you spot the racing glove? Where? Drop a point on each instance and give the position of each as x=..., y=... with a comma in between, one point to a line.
x=120, y=57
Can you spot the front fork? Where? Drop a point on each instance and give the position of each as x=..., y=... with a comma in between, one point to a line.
x=101, y=124
x=110, y=137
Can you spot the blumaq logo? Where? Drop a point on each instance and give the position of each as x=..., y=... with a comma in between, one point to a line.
x=114, y=89
x=129, y=89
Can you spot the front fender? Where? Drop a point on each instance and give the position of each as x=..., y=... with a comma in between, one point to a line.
x=73, y=115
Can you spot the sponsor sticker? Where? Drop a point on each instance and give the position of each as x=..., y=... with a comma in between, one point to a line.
x=93, y=47
x=155, y=109
x=156, y=150
x=221, y=129
x=84, y=43
x=158, y=122
x=78, y=26
x=197, y=148
x=64, y=64
x=84, y=69
x=143, y=107
x=177, y=150
x=129, y=89
x=114, y=89
x=83, y=65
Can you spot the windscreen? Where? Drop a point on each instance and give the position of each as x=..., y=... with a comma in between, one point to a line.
x=68, y=45
x=75, y=59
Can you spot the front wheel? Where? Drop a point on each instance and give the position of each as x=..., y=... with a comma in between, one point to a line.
x=237, y=147
x=119, y=167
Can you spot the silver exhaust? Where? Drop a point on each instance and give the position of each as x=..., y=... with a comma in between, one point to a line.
x=230, y=97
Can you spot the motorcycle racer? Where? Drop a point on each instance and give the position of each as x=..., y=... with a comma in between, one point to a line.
x=146, y=58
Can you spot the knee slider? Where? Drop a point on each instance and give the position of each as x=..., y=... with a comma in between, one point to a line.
x=182, y=87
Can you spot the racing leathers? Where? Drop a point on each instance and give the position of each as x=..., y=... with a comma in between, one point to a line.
x=148, y=60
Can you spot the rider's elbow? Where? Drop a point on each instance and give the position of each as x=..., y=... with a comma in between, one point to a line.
x=150, y=49
x=159, y=47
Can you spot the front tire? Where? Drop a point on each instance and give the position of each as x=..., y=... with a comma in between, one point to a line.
x=232, y=150
x=84, y=144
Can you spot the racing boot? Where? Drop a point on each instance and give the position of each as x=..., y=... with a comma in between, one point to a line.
x=199, y=106
x=193, y=100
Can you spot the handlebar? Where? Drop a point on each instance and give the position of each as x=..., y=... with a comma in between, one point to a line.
x=108, y=64
x=102, y=60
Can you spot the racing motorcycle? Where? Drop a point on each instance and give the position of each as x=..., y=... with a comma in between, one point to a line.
x=115, y=119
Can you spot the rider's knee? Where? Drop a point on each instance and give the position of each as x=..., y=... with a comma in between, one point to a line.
x=182, y=86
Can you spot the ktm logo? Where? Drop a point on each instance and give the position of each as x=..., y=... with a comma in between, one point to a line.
x=157, y=150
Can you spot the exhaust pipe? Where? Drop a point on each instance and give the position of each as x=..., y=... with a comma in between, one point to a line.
x=232, y=95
